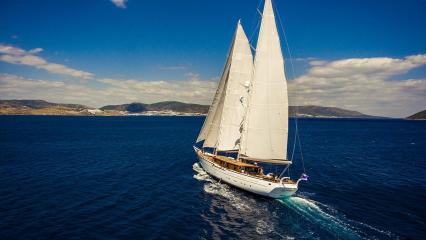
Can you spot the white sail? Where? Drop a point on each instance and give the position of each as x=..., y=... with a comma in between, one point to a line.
x=266, y=123
x=236, y=91
x=213, y=133
x=210, y=130
x=221, y=129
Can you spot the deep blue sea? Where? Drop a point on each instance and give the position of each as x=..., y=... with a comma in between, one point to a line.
x=135, y=178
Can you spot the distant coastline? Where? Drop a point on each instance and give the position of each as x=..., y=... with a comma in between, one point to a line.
x=418, y=116
x=168, y=108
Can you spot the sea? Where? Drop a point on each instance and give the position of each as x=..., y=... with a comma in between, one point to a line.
x=138, y=178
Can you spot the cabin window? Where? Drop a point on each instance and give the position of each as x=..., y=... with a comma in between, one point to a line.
x=253, y=170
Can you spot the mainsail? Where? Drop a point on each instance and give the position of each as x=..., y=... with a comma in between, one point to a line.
x=265, y=130
x=221, y=129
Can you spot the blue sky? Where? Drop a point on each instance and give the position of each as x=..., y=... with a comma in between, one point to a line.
x=180, y=47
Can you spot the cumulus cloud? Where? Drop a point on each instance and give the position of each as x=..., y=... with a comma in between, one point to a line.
x=193, y=90
x=111, y=91
x=363, y=84
x=15, y=55
x=119, y=3
x=375, y=86
x=106, y=91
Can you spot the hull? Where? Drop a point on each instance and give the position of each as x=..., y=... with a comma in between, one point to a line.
x=246, y=182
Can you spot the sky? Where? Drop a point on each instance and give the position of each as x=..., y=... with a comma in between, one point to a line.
x=363, y=55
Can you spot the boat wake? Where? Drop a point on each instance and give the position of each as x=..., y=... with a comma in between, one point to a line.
x=332, y=221
x=216, y=188
x=260, y=219
x=321, y=215
x=201, y=174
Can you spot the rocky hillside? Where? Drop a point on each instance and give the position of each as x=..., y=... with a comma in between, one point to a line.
x=40, y=107
x=160, y=106
x=418, y=116
x=326, y=112
x=302, y=111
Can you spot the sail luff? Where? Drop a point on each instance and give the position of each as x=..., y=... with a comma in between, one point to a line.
x=265, y=128
x=208, y=122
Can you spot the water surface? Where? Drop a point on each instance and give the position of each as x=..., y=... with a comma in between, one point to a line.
x=134, y=177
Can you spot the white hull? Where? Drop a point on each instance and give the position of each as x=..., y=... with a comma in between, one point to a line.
x=249, y=183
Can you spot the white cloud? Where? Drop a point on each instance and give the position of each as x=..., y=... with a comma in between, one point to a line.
x=299, y=59
x=6, y=49
x=192, y=90
x=119, y=3
x=15, y=87
x=111, y=91
x=317, y=62
x=107, y=90
x=35, y=50
x=15, y=55
x=363, y=84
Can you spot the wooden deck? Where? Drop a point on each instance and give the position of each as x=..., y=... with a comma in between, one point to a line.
x=236, y=165
x=235, y=162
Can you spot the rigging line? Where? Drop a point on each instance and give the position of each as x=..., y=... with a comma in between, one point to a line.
x=301, y=153
x=253, y=32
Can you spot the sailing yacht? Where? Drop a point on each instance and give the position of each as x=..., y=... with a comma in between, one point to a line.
x=246, y=127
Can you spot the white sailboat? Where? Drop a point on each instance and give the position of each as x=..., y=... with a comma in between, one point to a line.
x=247, y=124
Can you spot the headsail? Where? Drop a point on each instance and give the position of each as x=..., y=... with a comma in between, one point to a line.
x=236, y=93
x=221, y=128
x=266, y=123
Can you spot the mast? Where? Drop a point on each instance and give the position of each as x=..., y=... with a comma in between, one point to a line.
x=221, y=129
x=265, y=128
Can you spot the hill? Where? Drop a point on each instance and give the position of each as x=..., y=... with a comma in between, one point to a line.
x=170, y=106
x=40, y=107
x=37, y=104
x=418, y=116
x=325, y=112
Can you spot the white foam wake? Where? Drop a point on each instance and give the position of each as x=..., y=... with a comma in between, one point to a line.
x=201, y=174
x=332, y=221
x=222, y=189
x=196, y=167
